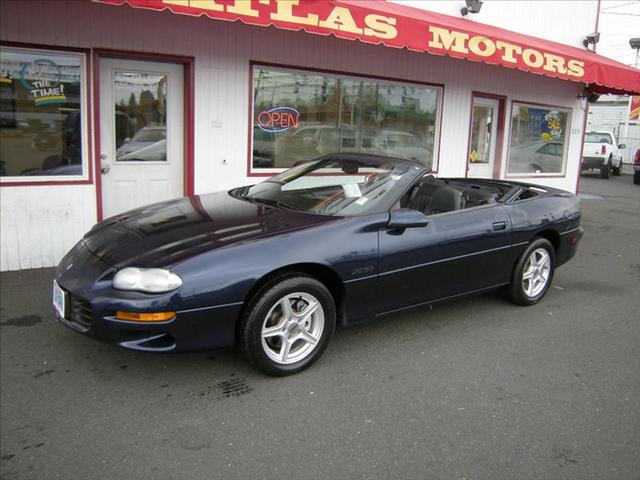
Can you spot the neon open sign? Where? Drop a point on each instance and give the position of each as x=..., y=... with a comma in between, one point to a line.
x=278, y=119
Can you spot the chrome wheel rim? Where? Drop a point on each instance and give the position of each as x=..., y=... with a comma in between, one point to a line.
x=536, y=272
x=292, y=328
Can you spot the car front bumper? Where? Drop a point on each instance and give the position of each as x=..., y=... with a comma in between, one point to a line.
x=91, y=305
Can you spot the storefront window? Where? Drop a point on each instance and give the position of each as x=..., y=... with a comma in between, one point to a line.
x=41, y=114
x=538, y=143
x=298, y=116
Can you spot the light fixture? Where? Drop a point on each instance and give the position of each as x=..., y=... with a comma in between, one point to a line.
x=588, y=95
x=591, y=39
x=635, y=44
x=473, y=6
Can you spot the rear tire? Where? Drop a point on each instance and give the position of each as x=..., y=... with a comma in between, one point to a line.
x=288, y=325
x=532, y=273
x=636, y=177
x=605, y=170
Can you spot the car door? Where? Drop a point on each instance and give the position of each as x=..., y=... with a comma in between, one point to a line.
x=457, y=252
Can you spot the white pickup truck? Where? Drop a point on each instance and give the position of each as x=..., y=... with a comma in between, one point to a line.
x=602, y=152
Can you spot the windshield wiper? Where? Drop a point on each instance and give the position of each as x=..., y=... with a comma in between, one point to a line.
x=272, y=202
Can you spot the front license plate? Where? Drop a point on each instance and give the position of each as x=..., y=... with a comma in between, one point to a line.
x=59, y=300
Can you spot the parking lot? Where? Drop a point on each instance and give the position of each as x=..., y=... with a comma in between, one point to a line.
x=472, y=389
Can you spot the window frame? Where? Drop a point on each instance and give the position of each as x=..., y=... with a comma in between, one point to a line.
x=565, y=151
x=85, y=112
x=253, y=65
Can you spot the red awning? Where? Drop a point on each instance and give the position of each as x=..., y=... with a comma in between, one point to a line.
x=401, y=26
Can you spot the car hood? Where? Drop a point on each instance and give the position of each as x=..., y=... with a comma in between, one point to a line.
x=164, y=234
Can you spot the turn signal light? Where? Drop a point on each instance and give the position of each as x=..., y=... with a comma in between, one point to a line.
x=145, y=317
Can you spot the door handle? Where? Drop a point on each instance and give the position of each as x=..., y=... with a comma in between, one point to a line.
x=499, y=225
x=105, y=169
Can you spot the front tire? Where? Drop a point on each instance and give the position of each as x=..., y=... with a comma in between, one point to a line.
x=636, y=177
x=288, y=325
x=617, y=171
x=533, y=273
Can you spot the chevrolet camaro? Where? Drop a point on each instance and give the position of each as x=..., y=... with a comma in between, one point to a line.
x=272, y=268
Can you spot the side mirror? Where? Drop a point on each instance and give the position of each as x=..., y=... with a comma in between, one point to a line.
x=622, y=146
x=407, y=218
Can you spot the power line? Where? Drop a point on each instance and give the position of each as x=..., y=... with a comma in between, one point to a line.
x=619, y=6
x=620, y=13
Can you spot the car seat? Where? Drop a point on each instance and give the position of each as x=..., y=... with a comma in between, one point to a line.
x=445, y=199
x=421, y=194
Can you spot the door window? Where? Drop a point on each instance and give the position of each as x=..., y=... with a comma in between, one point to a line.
x=481, y=134
x=140, y=116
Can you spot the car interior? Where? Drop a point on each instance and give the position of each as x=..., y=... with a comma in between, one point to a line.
x=438, y=195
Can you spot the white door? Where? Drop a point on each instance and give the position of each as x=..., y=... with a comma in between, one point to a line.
x=141, y=133
x=484, y=130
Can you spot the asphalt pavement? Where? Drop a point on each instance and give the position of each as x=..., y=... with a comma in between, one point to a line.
x=471, y=389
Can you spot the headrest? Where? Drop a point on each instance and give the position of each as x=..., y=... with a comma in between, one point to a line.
x=446, y=199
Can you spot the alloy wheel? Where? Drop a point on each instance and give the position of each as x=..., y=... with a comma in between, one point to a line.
x=292, y=328
x=536, y=272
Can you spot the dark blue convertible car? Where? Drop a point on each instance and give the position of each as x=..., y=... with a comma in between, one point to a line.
x=273, y=267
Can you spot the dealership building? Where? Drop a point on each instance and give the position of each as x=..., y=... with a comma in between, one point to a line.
x=107, y=105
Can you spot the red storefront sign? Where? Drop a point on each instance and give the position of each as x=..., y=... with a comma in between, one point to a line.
x=401, y=26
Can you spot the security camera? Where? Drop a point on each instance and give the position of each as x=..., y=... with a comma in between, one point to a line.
x=591, y=39
x=473, y=6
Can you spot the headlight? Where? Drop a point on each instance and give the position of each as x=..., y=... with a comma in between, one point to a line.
x=149, y=280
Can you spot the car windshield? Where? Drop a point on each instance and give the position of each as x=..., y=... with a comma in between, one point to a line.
x=595, y=137
x=341, y=186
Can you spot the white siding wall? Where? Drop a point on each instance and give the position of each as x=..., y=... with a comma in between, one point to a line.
x=222, y=51
x=607, y=117
x=39, y=224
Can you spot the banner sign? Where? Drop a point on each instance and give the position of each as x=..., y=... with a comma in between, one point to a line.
x=401, y=26
x=41, y=78
x=634, y=108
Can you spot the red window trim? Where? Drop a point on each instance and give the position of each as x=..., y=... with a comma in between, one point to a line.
x=502, y=100
x=49, y=181
x=563, y=174
x=188, y=64
x=275, y=171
